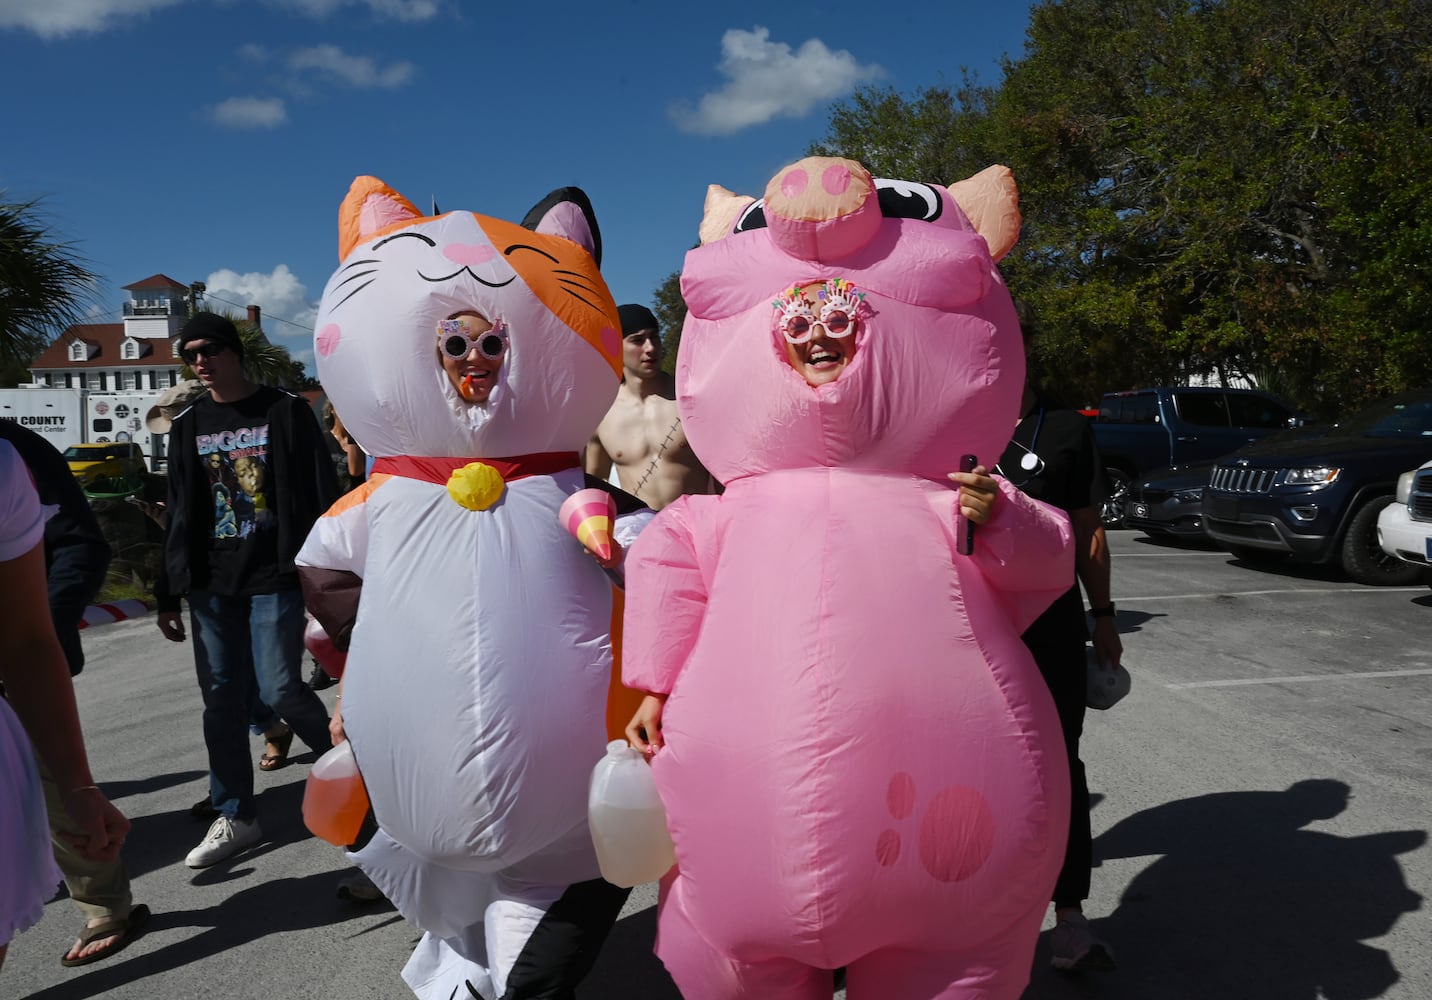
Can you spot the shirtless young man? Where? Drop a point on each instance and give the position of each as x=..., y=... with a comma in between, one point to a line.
x=641, y=434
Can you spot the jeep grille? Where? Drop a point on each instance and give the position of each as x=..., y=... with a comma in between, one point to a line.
x=1237, y=479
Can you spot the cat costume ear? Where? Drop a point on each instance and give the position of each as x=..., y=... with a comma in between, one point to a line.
x=567, y=212
x=371, y=206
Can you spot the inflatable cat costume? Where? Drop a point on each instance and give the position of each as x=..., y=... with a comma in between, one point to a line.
x=478, y=671
x=862, y=765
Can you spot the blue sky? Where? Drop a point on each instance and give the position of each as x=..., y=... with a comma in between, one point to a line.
x=212, y=140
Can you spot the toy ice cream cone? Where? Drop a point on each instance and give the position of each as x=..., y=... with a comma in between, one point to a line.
x=588, y=515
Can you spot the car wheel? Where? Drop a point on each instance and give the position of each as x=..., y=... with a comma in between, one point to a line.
x=1363, y=559
x=1112, y=510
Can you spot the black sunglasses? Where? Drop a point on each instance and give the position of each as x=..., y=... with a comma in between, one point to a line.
x=206, y=350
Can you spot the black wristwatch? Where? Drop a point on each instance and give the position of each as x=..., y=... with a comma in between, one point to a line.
x=1105, y=612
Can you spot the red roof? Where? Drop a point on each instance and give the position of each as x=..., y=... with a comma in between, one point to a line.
x=157, y=281
x=107, y=337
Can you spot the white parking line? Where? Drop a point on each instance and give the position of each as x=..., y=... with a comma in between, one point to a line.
x=1127, y=602
x=1299, y=680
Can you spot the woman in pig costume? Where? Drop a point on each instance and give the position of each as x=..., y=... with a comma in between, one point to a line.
x=860, y=763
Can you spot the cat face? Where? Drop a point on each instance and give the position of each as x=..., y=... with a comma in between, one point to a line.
x=932, y=364
x=377, y=340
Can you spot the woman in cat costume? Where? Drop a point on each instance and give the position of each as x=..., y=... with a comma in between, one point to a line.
x=862, y=766
x=474, y=357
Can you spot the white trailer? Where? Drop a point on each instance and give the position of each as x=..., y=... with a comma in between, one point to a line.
x=119, y=416
x=57, y=415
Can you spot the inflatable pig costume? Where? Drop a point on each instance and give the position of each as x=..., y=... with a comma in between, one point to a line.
x=862, y=766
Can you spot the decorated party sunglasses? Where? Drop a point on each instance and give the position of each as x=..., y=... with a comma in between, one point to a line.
x=838, y=303
x=456, y=338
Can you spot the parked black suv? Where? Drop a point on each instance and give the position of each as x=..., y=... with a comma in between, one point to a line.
x=1315, y=493
x=1143, y=430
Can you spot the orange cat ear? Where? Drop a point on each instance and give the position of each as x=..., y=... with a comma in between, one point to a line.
x=990, y=200
x=371, y=207
x=723, y=208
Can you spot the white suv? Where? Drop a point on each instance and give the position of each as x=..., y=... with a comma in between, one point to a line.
x=1404, y=528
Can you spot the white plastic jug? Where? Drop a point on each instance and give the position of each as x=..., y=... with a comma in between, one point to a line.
x=627, y=819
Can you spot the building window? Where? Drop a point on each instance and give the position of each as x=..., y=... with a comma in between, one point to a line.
x=129, y=350
x=174, y=348
x=77, y=351
x=131, y=380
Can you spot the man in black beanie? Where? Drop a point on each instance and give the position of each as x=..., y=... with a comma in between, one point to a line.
x=249, y=474
x=641, y=434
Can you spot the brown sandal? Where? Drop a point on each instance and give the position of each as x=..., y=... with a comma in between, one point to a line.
x=276, y=751
x=123, y=929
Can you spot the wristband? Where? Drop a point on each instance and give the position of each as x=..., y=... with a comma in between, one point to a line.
x=1105, y=612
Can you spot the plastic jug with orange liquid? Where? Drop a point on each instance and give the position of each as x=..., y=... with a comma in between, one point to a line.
x=627, y=819
x=334, y=799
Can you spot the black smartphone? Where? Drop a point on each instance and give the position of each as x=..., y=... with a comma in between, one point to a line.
x=967, y=527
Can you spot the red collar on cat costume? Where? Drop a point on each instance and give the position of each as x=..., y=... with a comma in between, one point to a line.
x=438, y=470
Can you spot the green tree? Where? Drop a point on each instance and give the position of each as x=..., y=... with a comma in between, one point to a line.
x=45, y=286
x=1219, y=188
x=670, y=310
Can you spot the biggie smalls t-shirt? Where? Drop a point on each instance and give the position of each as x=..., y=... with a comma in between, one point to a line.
x=232, y=440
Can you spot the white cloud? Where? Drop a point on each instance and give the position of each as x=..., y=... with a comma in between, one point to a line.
x=396, y=10
x=288, y=314
x=356, y=71
x=59, y=18
x=767, y=80
x=250, y=112
x=253, y=52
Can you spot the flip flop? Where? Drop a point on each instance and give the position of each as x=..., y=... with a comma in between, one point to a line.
x=128, y=928
x=274, y=761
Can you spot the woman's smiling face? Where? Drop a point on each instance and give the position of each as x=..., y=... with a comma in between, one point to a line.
x=473, y=370
x=821, y=358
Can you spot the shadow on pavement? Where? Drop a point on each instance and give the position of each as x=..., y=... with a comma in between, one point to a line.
x=1244, y=902
x=279, y=906
x=117, y=790
x=627, y=968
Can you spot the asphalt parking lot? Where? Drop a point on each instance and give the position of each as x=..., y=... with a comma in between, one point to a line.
x=1262, y=800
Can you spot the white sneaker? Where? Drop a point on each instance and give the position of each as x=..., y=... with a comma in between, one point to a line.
x=226, y=837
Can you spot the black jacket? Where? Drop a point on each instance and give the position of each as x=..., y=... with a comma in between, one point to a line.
x=305, y=485
x=76, y=553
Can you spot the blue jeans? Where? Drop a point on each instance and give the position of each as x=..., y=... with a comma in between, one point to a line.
x=240, y=642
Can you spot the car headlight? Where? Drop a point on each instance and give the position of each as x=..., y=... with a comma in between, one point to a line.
x=1188, y=496
x=1404, y=486
x=1311, y=475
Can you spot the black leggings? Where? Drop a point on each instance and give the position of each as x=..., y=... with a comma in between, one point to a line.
x=1064, y=667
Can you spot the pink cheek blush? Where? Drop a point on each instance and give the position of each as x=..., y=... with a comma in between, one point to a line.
x=327, y=340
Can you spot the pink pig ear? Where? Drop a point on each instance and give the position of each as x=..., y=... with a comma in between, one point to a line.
x=990, y=200
x=370, y=207
x=723, y=208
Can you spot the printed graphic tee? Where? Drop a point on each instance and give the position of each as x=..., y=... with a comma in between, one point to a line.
x=232, y=440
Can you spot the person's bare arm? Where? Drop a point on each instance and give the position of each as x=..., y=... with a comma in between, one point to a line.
x=38, y=687
x=1091, y=563
x=596, y=461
